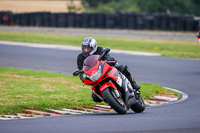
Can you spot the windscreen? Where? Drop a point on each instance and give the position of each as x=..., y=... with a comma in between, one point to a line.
x=90, y=62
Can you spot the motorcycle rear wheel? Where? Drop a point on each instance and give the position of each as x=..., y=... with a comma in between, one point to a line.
x=116, y=103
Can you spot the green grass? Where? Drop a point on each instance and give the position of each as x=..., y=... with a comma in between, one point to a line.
x=169, y=48
x=25, y=89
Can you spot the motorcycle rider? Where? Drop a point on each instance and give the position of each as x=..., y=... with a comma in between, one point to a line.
x=89, y=47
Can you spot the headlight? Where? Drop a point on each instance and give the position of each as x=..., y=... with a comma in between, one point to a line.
x=96, y=75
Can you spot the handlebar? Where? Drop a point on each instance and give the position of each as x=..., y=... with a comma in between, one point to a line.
x=77, y=72
x=105, y=52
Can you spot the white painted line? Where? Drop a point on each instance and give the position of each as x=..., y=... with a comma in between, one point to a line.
x=75, y=111
x=92, y=110
x=103, y=106
x=6, y=118
x=101, y=109
x=41, y=113
x=76, y=48
x=154, y=102
x=11, y=117
x=30, y=115
x=38, y=45
x=134, y=52
x=96, y=110
x=27, y=117
x=150, y=103
x=59, y=111
x=166, y=98
x=184, y=96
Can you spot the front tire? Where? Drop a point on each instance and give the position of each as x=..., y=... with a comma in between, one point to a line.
x=116, y=103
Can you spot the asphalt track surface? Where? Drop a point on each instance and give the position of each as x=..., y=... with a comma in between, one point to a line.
x=181, y=74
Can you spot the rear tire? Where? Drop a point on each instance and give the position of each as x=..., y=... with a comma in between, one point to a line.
x=139, y=106
x=117, y=104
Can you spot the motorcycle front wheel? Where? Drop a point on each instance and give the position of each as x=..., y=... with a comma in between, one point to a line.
x=115, y=102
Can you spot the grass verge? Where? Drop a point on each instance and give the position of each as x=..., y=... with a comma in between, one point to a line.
x=169, y=48
x=25, y=89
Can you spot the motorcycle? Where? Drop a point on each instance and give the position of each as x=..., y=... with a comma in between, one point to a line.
x=110, y=85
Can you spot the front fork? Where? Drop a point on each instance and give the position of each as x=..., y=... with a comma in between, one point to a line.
x=130, y=98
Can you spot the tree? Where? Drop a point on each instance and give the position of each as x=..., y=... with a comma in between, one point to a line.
x=178, y=6
x=94, y=3
x=110, y=5
x=72, y=7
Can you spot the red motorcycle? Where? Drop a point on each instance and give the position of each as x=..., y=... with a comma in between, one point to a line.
x=110, y=85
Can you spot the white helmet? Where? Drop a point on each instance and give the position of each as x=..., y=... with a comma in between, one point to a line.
x=89, y=42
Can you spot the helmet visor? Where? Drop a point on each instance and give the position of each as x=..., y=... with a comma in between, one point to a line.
x=86, y=49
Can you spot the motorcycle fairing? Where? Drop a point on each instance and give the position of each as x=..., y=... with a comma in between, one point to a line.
x=102, y=65
x=120, y=79
x=106, y=85
x=125, y=84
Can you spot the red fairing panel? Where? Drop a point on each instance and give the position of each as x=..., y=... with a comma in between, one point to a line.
x=113, y=74
x=106, y=85
x=105, y=67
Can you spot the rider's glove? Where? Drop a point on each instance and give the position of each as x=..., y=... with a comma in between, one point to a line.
x=111, y=61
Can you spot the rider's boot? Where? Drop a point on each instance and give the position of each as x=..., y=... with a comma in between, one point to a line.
x=125, y=70
x=134, y=84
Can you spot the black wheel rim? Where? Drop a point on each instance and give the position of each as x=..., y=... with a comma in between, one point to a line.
x=118, y=99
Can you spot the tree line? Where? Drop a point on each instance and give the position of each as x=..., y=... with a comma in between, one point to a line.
x=140, y=6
